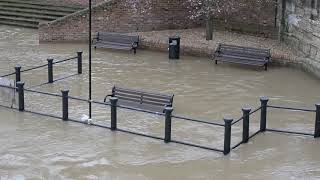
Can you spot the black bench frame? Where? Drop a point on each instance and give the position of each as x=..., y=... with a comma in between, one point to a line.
x=116, y=41
x=156, y=102
x=242, y=55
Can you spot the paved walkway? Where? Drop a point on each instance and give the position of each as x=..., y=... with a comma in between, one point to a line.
x=193, y=43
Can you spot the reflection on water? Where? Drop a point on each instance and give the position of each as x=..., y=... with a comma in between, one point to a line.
x=36, y=147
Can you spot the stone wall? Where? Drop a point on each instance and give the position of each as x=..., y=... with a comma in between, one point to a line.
x=148, y=15
x=303, y=32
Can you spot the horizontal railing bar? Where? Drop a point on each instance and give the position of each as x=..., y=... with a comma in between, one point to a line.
x=254, y=134
x=100, y=125
x=238, y=120
x=289, y=132
x=195, y=145
x=91, y=123
x=44, y=93
x=65, y=77
x=77, y=121
x=77, y=98
x=199, y=121
x=38, y=85
x=9, y=87
x=33, y=112
x=60, y=61
x=237, y=145
x=139, y=134
x=62, y=78
x=43, y=114
x=254, y=111
x=8, y=107
x=290, y=108
x=241, y=118
x=44, y=65
x=101, y=103
x=6, y=75
x=33, y=68
x=140, y=110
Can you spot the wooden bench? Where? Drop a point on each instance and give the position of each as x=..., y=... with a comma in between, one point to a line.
x=155, y=102
x=242, y=55
x=116, y=41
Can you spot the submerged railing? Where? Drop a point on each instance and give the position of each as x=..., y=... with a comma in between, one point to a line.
x=167, y=138
x=227, y=123
x=50, y=62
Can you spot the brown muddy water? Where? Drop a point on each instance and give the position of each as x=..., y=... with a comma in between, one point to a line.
x=37, y=147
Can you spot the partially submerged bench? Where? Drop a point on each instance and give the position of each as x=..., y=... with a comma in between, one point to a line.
x=155, y=102
x=116, y=41
x=242, y=55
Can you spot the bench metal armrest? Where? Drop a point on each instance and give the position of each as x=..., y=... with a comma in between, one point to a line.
x=134, y=45
x=215, y=54
x=94, y=41
x=109, y=95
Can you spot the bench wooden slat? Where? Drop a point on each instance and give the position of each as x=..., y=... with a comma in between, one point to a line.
x=139, y=97
x=242, y=55
x=242, y=47
x=143, y=99
x=243, y=62
x=116, y=41
x=143, y=93
x=222, y=50
x=262, y=59
x=113, y=47
x=149, y=107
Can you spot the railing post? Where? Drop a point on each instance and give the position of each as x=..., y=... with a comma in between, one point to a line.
x=21, y=95
x=317, y=123
x=18, y=74
x=263, y=118
x=168, y=119
x=50, y=70
x=65, y=105
x=245, y=127
x=79, y=54
x=113, y=102
x=227, y=135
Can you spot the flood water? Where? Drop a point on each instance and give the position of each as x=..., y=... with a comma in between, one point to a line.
x=37, y=147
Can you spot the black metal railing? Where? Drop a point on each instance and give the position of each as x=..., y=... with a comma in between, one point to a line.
x=227, y=122
x=316, y=133
x=50, y=62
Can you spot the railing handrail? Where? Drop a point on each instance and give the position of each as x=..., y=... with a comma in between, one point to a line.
x=9, y=87
x=292, y=108
x=63, y=60
x=40, y=66
x=241, y=118
x=6, y=75
x=198, y=120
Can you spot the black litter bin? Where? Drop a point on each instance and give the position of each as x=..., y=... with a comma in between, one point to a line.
x=174, y=47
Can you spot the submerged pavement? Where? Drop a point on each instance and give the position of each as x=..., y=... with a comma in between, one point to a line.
x=193, y=42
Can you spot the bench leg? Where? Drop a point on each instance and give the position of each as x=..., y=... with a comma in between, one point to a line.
x=216, y=61
x=266, y=67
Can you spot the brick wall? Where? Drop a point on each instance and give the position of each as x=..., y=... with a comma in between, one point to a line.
x=253, y=16
x=118, y=16
x=147, y=15
x=78, y=3
x=303, y=33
